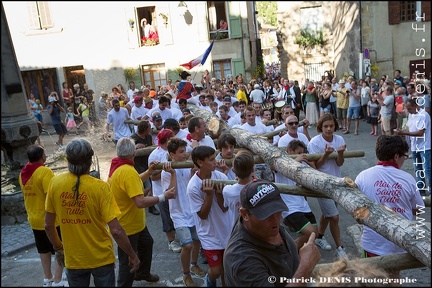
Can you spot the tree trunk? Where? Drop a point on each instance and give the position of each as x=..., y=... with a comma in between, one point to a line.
x=413, y=236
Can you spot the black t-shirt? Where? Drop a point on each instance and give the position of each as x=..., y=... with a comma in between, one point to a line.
x=141, y=162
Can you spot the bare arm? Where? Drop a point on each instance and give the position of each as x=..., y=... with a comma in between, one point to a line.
x=123, y=242
x=207, y=188
x=51, y=231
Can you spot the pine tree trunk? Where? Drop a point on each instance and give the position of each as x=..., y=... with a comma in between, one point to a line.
x=413, y=236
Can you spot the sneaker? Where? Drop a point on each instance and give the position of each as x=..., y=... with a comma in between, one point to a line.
x=323, y=244
x=149, y=278
x=174, y=246
x=60, y=284
x=197, y=271
x=188, y=281
x=209, y=283
x=48, y=282
x=340, y=251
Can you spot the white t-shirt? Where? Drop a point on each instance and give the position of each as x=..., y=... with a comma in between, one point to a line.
x=231, y=175
x=286, y=139
x=294, y=203
x=130, y=93
x=158, y=154
x=317, y=145
x=176, y=113
x=393, y=188
x=182, y=134
x=257, y=96
x=179, y=207
x=165, y=114
x=259, y=128
x=117, y=120
x=417, y=122
x=207, y=140
x=138, y=112
x=213, y=232
x=282, y=126
x=231, y=195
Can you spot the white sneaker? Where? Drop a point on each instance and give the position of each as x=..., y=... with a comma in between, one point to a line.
x=62, y=283
x=340, y=251
x=323, y=244
x=175, y=246
x=48, y=282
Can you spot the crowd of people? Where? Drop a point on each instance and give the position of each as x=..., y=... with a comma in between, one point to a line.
x=237, y=228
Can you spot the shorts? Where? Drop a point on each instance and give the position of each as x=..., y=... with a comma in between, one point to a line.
x=328, y=207
x=341, y=113
x=186, y=235
x=60, y=129
x=353, y=112
x=325, y=109
x=167, y=223
x=299, y=220
x=43, y=245
x=214, y=257
x=38, y=117
x=86, y=119
x=385, y=123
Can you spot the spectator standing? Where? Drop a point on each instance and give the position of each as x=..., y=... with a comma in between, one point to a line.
x=373, y=109
x=387, y=106
x=87, y=244
x=55, y=109
x=117, y=117
x=354, y=108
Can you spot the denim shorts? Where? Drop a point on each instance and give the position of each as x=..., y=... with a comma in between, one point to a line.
x=186, y=235
x=353, y=112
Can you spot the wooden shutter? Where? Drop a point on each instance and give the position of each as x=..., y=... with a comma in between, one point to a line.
x=234, y=18
x=45, y=15
x=426, y=9
x=33, y=16
x=238, y=67
x=394, y=11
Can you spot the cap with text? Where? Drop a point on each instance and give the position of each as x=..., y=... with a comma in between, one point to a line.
x=262, y=198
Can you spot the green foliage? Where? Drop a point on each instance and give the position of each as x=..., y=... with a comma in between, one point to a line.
x=310, y=39
x=267, y=12
x=129, y=73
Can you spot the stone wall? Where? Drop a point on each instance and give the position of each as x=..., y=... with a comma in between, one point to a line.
x=13, y=209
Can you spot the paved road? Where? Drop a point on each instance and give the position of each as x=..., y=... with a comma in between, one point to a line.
x=21, y=266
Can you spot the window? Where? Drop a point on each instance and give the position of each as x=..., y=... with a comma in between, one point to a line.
x=39, y=16
x=216, y=13
x=222, y=69
x=147, y=26
x=154, y=75
x=407, y=11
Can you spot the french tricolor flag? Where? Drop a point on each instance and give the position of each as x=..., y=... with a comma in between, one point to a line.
x=200, y=59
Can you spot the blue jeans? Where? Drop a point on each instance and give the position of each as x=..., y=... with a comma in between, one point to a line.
x=102, y=276
x=142, y=243
x=422, y=170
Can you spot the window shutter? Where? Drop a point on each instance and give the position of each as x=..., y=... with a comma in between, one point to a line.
x=235, y=27
x=426, y=9
x=33, y=15
x=45, y=15
x=238, y=66
x=394, y=12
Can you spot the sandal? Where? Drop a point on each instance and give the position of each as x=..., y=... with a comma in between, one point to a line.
x=356, y=133
x=346, y=132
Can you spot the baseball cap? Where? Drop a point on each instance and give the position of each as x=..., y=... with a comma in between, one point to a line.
x=152, y=93
x=227, y=99
x=170, y=122
x=398, y=82
x=262, y=198
x=157, y=117
x=137, y=99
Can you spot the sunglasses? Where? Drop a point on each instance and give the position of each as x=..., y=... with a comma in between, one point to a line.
x=293, y=123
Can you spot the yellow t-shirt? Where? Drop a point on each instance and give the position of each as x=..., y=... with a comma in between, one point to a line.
x=83, y=223
x=126, y=184
x=342, y=101
x=34, y=193
x=241, y=95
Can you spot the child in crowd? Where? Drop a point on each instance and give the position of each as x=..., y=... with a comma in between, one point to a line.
x=243, y=167
x=70, y=120
x=299, y=217
x=373, y=111
x=183, y=124
x=180, y=211
x=326, y=142
x=226, y=144
x=210, y=220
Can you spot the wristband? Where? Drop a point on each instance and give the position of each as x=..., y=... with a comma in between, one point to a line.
x=161, y=198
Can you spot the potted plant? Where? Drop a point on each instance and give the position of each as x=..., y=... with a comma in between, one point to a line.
x=131, y=23
x=164, y=19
